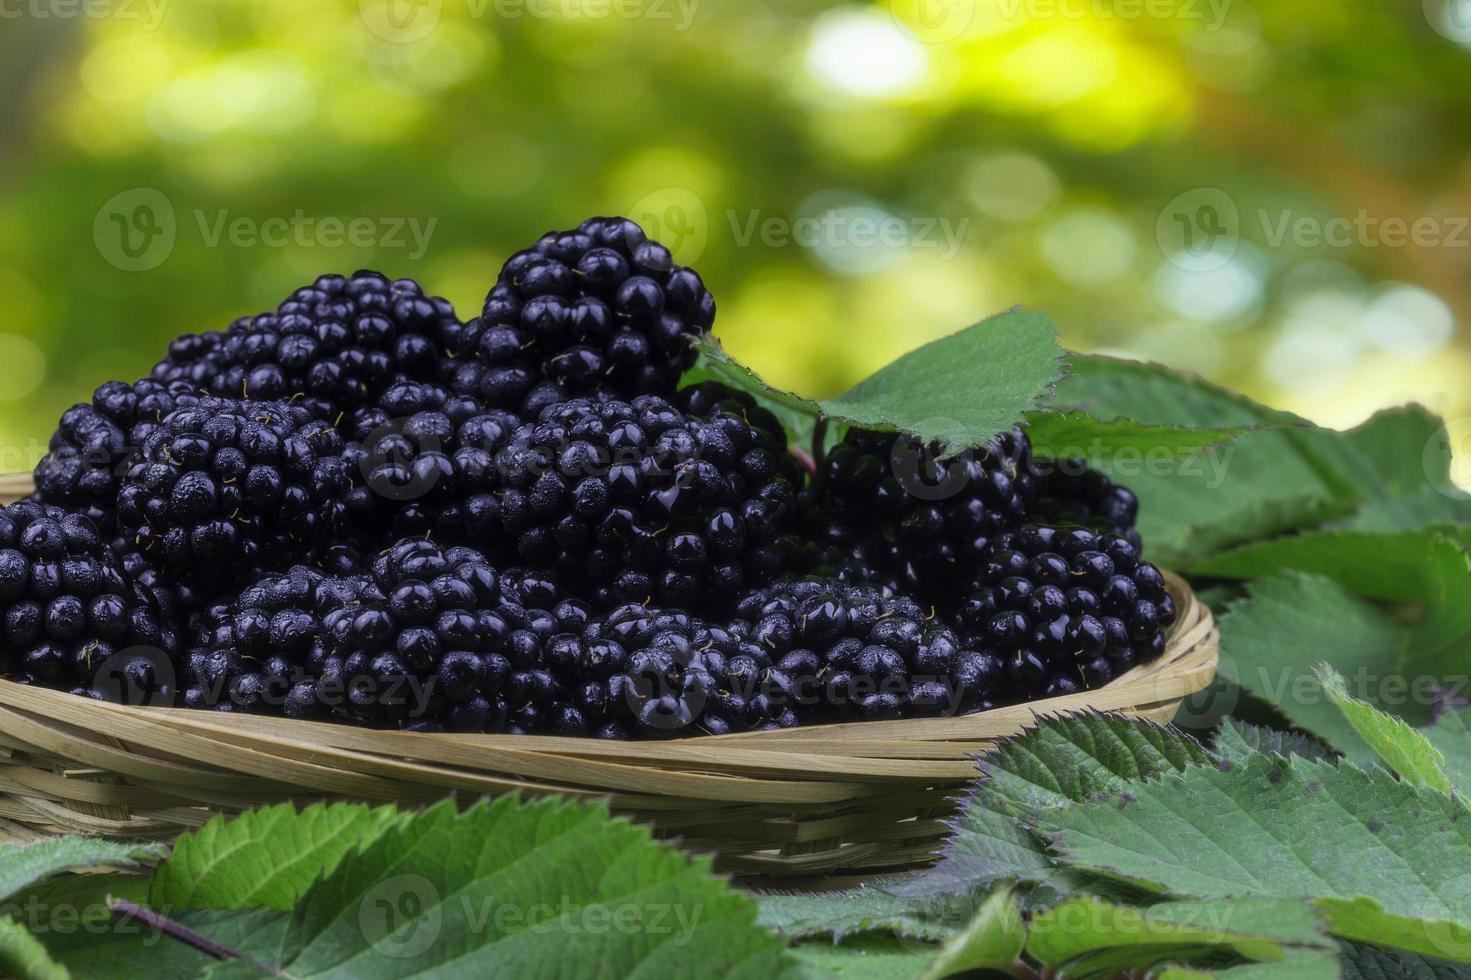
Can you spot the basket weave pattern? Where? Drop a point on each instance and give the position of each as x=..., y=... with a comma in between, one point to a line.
x=796, y=802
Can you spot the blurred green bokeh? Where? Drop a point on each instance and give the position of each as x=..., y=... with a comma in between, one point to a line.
x=1273, y=195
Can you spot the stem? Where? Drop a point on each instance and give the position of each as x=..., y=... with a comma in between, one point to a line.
x=819, y=451
x=179, y=932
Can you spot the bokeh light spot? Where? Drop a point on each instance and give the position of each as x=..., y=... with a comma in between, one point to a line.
x=865, y=54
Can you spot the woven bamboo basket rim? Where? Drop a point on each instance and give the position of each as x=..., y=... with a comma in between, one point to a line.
x=807, y=801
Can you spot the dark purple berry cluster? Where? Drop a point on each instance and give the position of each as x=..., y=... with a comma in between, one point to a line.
x=1066, y=609
x=97, y=440
x=599, y=307
x=332, y=345
x=222, y=488
x=642, y=501
x=71, y=615
x=924, y=518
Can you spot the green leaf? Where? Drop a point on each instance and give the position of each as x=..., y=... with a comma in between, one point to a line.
x=24, y=865
x=1296, y=964
x=129, y=949
x=265, y=858
x=1286, y=476
x=962, y=389
x=1086, y=937
x=23, y=956
x=992, y=940
x=1408, y=446
x=798, y=414
x=1363, y=962
x=1289, y=828
x=1431, y=507
x=868, y=957
x=1451, y=736
x=1062, y=760
x=1236, y=741
x=1402, y=566
x=840, y=914
x=508, y=887
x=1076, y=435
x=1271, y=639
x=1403, y=749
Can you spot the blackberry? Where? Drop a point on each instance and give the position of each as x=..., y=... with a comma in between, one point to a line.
x=332, y=345
x=837, y=652
x=599, y=307
x=222, y=488
x=927, y=519
x=642, y=501
x=424, y=461
x=1071, y=493
x=1067, y=608
x=72, y=617
x=96, y=441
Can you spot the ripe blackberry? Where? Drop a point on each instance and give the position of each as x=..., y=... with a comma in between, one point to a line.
x=598, y=307
x=424, y=461
x=96, y=441
x=642, y=501
x=332, y=345
x=837, y=652
x=222, y=488
x=1067, y=608
x=72, y=617
x=930, y=520
x=1070, y=493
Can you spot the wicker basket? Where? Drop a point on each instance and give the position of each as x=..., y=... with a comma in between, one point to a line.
x=818, y=801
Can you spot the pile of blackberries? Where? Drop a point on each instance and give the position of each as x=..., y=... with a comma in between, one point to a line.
x=357, y=508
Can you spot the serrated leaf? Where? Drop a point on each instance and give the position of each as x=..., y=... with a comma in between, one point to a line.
x=1060, y=761
x=962, y=389
x=25, y=865
x=22, y=955
x=1430, y=508
x=1401, y=566
x=1407, y=446
x=480, y=893
x=1364, y=962
x=1286, y=476
x=1451, y=736
x=1085, y=937
x=265, y=858
x=1237, y=740
x=1289, y=828
x=993, y=939
x=843, y=913
x=1271, y=639
x=1403, y=749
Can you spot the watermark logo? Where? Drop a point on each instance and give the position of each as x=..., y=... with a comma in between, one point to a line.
x=1451, y=19
x=401, y=917
x=150, y=12
x=135, y=231
x=400, y=21
x=1199, y=229
x=934, y=21
x=675, y=217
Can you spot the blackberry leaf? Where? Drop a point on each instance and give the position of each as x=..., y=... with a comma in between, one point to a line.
x=1288, y=828
x=1402, y=749
x=1062, y=761
x=24, y=865
x=266, y=858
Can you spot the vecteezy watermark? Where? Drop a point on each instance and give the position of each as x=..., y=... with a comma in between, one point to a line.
x=858, y=229
x=1452, y=441
x=150, y=12
x=1211, y=14
x=402, y=917
x=406, y=21
x=1451, y=19
x=1201, y=229
x=138, y=229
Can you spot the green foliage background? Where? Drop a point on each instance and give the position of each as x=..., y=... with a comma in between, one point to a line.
x=1049, y=137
